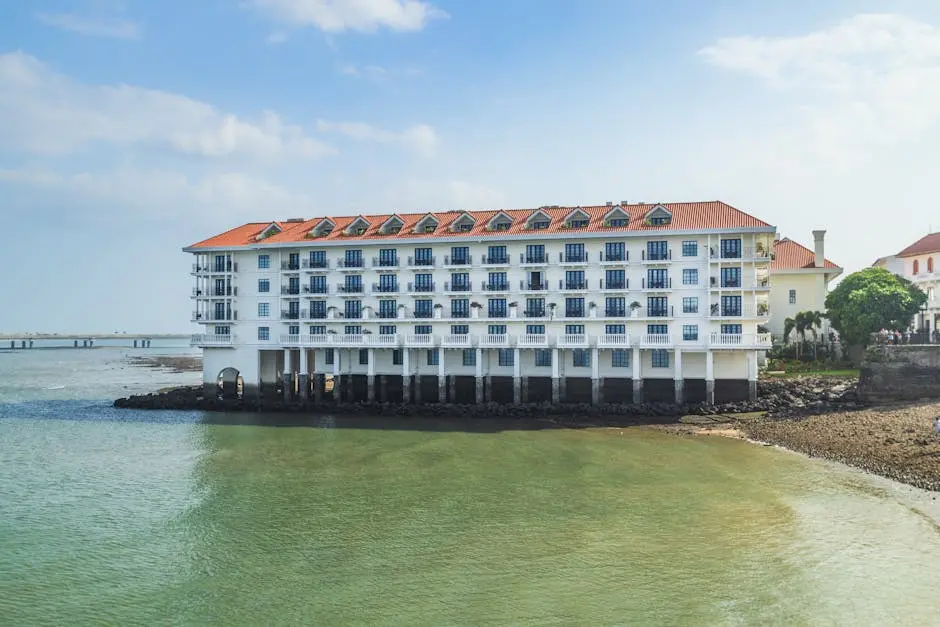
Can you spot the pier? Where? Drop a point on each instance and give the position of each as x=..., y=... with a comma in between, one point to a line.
x=26, y=341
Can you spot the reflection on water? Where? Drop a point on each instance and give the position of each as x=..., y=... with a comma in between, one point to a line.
x=171, y=518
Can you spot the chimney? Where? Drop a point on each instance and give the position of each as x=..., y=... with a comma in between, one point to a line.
x=820, y=248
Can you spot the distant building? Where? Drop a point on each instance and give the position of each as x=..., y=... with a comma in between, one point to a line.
x=920, y=264
x=602, y=303
x=800, y=280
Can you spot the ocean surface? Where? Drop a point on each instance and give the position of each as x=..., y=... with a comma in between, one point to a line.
x=124, y=517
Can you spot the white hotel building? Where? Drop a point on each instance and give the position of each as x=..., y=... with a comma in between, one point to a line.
x=611, y=303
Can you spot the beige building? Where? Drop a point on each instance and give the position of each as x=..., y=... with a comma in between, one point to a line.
x=800, y=280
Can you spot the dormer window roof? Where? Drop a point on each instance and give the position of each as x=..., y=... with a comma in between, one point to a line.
x=500, y=222
x=323, y=227
x=538, y=221
x=616, y=217
x=272, y=229
x=359, y=226
x=658, y=216
x=391, y=226
x=427, y=224
x=463, y=224
x=577, y=219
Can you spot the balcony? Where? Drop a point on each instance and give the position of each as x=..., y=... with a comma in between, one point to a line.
x=421, y=262
x=496, y=286
x=316, y=290
x=573, y=340
x=350, y=339
x=572, y=286
x=615, y=259
x=615, y=286
x=533, y=260
x=655, y=340
x=757, y=341
x=494, y=340
x=533, y=340
x=745, y=254
x=315, y=264
x=457, y=286
x=290, y=290
x=290, y=266
x=212, y=316
x=385, y=263
x=209, y=340
x=385, y=288
x=382, y=340
x=497, y=313
x=495, y=260
x=300, y=314
x=573, y=259
x=457, y=341
x=423, y=314
x=214, y=268
x=355, y=290
x=614, y=340
x=459, y=313
x=387, y=314
x=350, y=264
x=459, y=261
x=658, y=285
x=419, y=341
x=652, y=312
x=318, y=314
x=534, y=313
x=738, y=284
x=615, y=312
x=746, y=310
x=574, y=313
x=421, y=288
x=656, y=257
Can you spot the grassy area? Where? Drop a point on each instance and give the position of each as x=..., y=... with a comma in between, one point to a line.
x=851, y=372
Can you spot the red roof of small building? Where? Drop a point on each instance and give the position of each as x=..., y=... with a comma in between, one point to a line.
x=685, y=216
x=926, y=244
x=790, y=255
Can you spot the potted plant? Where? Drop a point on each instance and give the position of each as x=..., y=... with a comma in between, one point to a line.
x=762, y=309
x=592, y=309
x=475, y=308
x=635, y=309
x=331, y=312
x=401, y=311
x=714, y=309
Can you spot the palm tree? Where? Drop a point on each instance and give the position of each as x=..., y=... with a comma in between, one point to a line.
x=788, y=325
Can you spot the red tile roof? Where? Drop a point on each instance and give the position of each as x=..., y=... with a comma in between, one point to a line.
x=685, y=216
x=926, y=244
x=790, y=255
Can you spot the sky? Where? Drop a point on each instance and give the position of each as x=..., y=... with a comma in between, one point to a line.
x=130, y=128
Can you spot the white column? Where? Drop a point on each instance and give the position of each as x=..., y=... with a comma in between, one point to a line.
x=678, y=378
x=303, y=361
x=556, y=383
x=595, y=376
x=479, y=376
x=441, y=377
x=752, y=358
x=516, y=376
x=710, y=377
x=637, y=376
x=370, y=376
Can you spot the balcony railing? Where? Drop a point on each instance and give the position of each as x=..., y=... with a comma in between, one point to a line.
x=573, y=257
x=290, y=265
x=421, y=288
x=494, y=339
x=385, y=288
x=388, y=314
x=574, y=313
x=497, y=313
x=315, y=264
x=212, y=316
x=615, y=312
x=572, y=285
x=745, y=310
x=497, y=286
x=458, y=261
x=457, y=341
x=533, y=339
x=300, y=314
x=533, y=260
x=534, y=313
x=385, y=262
x=615, y=257
x=210, y=339
x=421, y=340
x=614, y=340
x=573, y=340
x=350, y=263
x=349, y=289
x=744, y=253
x=529, y=286
x=614, y=286
x=657, y=284
x=216, y=292
x=656, y=256
x=758, y=340
x=457, y=286
x=656, y=339
x=421, y=262
x=459, y=313
x=382, y=340
x=423, y=313
x=316, y=289
x=290, y=289
x=495, y=260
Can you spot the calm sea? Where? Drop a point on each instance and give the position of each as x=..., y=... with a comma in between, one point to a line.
x=131, y=518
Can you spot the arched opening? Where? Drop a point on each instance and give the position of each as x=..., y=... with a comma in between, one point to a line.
x=916, y=267
x=230, y=382
x=929, y=264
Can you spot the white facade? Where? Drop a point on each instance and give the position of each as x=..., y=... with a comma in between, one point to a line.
x=800, y=280
x=554, y=312
x=924, y=271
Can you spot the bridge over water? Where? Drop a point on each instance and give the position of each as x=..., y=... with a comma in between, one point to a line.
x=84, y=340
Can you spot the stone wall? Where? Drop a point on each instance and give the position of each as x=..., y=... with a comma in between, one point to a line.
x=900, y=373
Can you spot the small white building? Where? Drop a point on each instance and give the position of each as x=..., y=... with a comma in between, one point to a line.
x=920, y=264
x=800, y=280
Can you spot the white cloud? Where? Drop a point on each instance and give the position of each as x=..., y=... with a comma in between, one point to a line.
x=93, y=26
x=42, y=112
x=336, y=16
x=421, y=137
x=276, y=38
x=375, y=72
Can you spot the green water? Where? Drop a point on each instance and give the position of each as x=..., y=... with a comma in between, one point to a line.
x=107, y=522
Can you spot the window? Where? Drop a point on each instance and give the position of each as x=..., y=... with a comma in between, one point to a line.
x=264, y=262
x=460, y=282
x=496, y=254
x=731, y=248
x=388, y=257
x=615, y=279
x=423, y=257
x=497, y=307
x=657, y=251
x=574, y=329
x=293, y=310
x=318, y=309
x=581, y=358
x=460, y=308
x=731, y=329
x=264, y=310
x=616, y=222
x=353, y=283
x=575, y=253
x=496, y=329
x=657, y=306
x=615, y=307
x=578, y=224
x=535, y=253
x=293, y=329
x=353, y=309
x=469, y=357
x=660, y=358
x=620, y=358
x=460, y=329
x=424, y=282
x=388, y=309
x=929, y=264
x=460, y=255
x=657, y=278
x=543, y=357
x=916, y=269
x=352, y=329
x=423, y=329
x=614, y=251
x=318, y=259
x=434, y=357
x=574, y=307
x=388, y=283
x=397, y=359
x=264, y=334
x=690, y=276
x=293, y=262
x=534, y=307
x=464, y=227
x=660, y=220
x=353, y=258
x=792, y=297
x=690, y=332
x=293, y=285
x=730, y=305
x=317, y=330
x=496, y=281
x=540, y=225
x=574, y=280
x=731, y=277
x=506, y=357
x=690, y=248
x=690, y=305
x=387, y=329
x=424, y=308
x=535, y=329
x=318, y=284
x=363, y=356
x=657, y=329
x=264, y=285
x=615, y=329
x=223, y=330
x=220, y=264
x=220, y=313
x=328, y=357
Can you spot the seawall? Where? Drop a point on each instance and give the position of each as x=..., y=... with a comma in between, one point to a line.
x=900, y=373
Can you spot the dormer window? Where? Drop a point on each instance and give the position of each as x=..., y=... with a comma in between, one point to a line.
x=427, y=224
x=360, y=230
x=500, y=222
x=465, y=227
x=323, y=227
x=540, y=225
x=391, y=226
x=617, y=222
x=501, y=226
x=658, y=216
x=577, y=219
x=429, y=228
x=660, y=220
x=394, y=229
x=271, y=229
x=359, y=226
x=578, y=224
x=463, y=224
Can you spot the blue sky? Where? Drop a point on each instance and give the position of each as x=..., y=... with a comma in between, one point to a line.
x=129, y=129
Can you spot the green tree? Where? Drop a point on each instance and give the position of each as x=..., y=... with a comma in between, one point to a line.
x=788, y=325
x=870, y=300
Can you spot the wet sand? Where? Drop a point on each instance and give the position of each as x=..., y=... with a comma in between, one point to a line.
x=176, y=363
